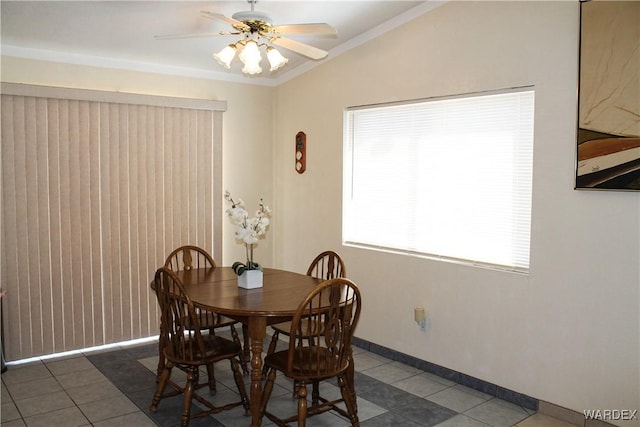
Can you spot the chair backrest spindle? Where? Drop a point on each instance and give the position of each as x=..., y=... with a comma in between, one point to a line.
x=327, y=265
x=183, y=343
x=189, y=257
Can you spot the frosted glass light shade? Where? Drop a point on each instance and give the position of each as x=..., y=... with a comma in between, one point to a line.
x=275, y=58
x=251, y=57
x=226, y=55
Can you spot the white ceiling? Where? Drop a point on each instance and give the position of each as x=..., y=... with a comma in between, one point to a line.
x=120, y=34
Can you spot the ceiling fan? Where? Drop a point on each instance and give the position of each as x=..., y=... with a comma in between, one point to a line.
x=257, y=31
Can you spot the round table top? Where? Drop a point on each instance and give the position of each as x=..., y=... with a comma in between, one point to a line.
x=217, y=290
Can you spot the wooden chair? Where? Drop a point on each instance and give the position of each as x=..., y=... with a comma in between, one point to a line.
x=187, y=258
x=315, y=355
x=327, y=265
x=187, y=349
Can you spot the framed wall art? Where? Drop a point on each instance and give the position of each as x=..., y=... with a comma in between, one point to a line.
x=608, y=146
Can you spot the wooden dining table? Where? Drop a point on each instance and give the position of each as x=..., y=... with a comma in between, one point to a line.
x=216, y=289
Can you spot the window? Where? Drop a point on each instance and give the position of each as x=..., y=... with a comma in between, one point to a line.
x=447, y=177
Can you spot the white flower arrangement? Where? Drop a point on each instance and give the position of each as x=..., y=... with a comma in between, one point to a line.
x=247, y=230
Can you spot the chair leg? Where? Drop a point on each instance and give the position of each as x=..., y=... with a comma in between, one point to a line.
x=348, y=396
x=302, y=404
x=315, y=393
x=161, y=359
x=271, y=350
x=212, y=379
x=268, y=388
x=237, y=377
x=246, y=347
x=236, y=339
x=162, y=383
x=188, y=395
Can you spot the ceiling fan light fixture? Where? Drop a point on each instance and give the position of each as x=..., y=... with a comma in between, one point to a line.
x=226, y=55
x=251, y=57
x=275, y=58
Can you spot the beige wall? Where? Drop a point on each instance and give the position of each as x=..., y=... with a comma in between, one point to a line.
x=567, y=333
x=247, y=133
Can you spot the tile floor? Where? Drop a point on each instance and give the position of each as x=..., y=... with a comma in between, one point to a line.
x=114, y=388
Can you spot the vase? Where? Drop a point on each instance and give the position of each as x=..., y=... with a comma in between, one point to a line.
x=250, y=279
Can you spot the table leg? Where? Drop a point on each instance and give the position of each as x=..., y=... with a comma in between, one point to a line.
x=257, y=332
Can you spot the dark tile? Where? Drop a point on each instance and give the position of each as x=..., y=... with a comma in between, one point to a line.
x=425, y=413
x=99, y=359
x=411, y=361
x=128, y=377
x=384, y=395
x=383, y=351
x=142, y=351
x=517, y=398
x=443, y=372
x=360, y=343
x=389, y=419
x=169, y=410
x=477, y=384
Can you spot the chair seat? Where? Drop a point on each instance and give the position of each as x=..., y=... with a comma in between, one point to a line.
x=314, y=362
x=215, y=349
x=310, y=327
x=209, y=320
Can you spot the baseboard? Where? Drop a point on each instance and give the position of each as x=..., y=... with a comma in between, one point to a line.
x=449, y=374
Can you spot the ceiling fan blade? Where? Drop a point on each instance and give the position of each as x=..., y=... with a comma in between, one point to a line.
x=301, y=48
x=320, y=28
x=220, y=17
x=186, y=36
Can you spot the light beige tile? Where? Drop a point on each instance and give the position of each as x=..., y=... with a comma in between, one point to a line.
x=458, y=399
x=45, y=403
x=498, y=413
x=597, y=423
x=364, y=361
x=421, y=385
x=9, y=412
x=137, y=419
x=562, y=414
x=461, y=421
x=67, y=417
x=15, y=423
x=540, y=420
x=26, y=389
x=151, y=363
x=80, y=378
x=391, y=372
x=68, y=365
x=108, y=408
x=92, y=392
x=5, y=393
x=18, y=374
x=440, y=379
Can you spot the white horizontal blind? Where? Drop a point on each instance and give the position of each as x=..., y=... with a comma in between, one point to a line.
x=94, y=196
x=447, y=178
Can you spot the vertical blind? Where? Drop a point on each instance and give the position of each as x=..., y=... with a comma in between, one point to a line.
x=449, y=178
x=95, y=194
